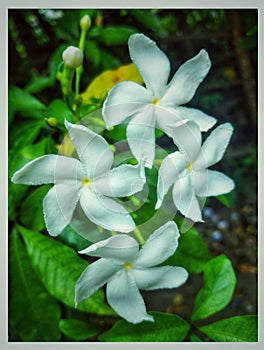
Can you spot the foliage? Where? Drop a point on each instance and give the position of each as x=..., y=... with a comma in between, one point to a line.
x=43, y=270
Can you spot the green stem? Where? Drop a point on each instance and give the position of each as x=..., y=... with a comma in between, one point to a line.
x=139, y=236
x=79, y=70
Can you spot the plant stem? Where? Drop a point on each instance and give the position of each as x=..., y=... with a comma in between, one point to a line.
x=139, y=236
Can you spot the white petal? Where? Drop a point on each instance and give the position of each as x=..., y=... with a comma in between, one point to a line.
x=50, y=168
x=185, y=199
x=204, y=121
x=94, y=277
x=186, y=80
x=105, y=212
x=92, y=149
x=169, y=171
x=141, y=135
x=123, y=101
x=122, y=181
x=120, y=247
x=59, y=205
x=213, y=183
x=160, y=277
x=166, y=118
x=124, y=297
x=215, y=145
x=159, y=246
x=151, y=62
x=187, y=136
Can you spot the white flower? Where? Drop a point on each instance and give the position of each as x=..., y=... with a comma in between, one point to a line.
x=126, y=269
x=158, y=104
x=187, y=170
x=88, y=180
x=72, y=57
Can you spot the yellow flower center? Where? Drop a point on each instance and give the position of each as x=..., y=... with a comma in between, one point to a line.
x=86, y=182
x=190, y=166
x=127, y=266
x=155, y=101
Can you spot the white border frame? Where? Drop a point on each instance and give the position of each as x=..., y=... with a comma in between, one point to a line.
x=5, y=5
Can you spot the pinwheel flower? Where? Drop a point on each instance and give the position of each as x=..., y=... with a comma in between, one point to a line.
x=187, y=170
x=126, y=269
x=157, y=104
x=88, y=180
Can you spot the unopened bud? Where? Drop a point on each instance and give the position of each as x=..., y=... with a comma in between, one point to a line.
x=85, y=23
x=72, y=57
x=53, y=122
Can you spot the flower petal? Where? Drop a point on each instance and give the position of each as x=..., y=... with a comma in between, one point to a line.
x=105, y=212
x=166, y=118
x=123, y=101
x=50, y=168
x=204, y=121
x=169, y=171
x=213, y=183
x=124, y=297
x=214, y=146
x=151, y=62
x=122, y=181
x=141, y=135
x=185, y=199
x=186, y=80
x=59, y=205
x=187, y=136
x=92, y=149
x=94, y=277
x=159, y=246
x=160, y=277
x=120, y=247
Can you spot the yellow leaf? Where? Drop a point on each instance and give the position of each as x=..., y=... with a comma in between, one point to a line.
x=66, y=148
x=102, y=84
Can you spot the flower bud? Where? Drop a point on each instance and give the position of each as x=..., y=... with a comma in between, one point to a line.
x=53, y=122
x=72, y=57
x=85, y=23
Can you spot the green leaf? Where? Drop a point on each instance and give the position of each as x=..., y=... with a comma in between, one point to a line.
x=224, y=200
x=59, y=268
x=19, y=157
x=112, y=35
x=148, y=18
x=68, y=27
x=33, y=313
x=194, y=338
x=56, y=60
x=31, y=213
x=166, y=328
x=59, y=111
x=40, y=84
x=192, y=252
x=73, y=239
x=19, y=100
x=234, y=329
x=77, y=330
x=93, y=52
x=16, y=193
x=23, y=133
x=218, y=288
x=117, y=133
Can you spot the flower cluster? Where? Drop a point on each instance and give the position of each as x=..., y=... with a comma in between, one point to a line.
x=88, y=181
